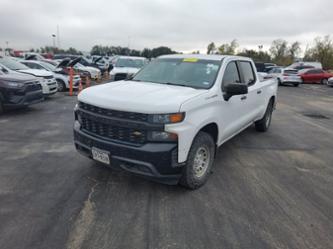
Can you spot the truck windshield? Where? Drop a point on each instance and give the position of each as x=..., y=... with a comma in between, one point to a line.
x=195, y=73
x=12, y=64
x=136, y=63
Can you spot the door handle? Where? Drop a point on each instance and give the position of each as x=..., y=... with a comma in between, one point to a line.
x=243, y=98
x=259, y=92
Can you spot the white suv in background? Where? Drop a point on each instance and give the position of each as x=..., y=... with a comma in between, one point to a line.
x=286, y=76
x=62, y=78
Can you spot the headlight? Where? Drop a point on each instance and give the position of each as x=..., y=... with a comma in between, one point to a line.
x=167, y=118
x=14, y=84
x=42, y=81
x=162, y=136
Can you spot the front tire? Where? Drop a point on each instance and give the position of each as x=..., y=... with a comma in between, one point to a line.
x=199, y=163
x=263, y=124
x=61, y=86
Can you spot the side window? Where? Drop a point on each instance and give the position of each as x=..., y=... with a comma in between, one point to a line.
x=278, y=70
x=27, y=64
x=248, y=73
x=36, y=66
x=231, y=75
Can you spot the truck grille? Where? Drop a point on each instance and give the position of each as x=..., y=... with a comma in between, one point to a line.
x=120, y=76
x=113, y=125
x=112, y=132
x=114, y=114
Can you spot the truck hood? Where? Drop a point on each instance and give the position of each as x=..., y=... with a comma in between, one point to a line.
x=127, y=70
x=141, y=97
x=36, y=72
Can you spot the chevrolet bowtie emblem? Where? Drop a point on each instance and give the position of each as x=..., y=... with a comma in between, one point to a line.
x=137, y=133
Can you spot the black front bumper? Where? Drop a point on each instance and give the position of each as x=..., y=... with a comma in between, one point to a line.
x=158, y=161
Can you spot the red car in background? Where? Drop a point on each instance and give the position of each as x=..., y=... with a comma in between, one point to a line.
x=315, y=76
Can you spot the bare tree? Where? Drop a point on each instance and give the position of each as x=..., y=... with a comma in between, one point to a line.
x=211, y=48
x=228, y=49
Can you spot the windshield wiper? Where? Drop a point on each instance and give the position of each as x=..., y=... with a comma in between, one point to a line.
x=175, y=84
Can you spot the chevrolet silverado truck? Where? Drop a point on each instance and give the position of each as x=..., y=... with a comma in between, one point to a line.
x=167, y=122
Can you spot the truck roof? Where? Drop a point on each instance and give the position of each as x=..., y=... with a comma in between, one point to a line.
x=203, y=56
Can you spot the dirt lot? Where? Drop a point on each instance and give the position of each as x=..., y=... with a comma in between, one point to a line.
x=272, y=190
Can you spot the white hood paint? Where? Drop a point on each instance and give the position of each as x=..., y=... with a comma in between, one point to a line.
x=142, y=97
x=37, y=72
x=127, y=70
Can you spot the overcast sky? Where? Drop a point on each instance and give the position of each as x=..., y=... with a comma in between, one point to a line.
x=183, y=25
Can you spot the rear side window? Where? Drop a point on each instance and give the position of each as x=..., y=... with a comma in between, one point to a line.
x=248, y=73
x=231, y=75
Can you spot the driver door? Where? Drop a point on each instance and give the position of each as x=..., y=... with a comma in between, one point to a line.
x=233, y=112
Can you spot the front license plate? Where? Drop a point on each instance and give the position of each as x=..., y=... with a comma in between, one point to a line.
x=100, y=155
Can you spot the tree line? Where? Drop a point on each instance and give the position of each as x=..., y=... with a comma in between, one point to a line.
x=281, y=52
x=118, y=50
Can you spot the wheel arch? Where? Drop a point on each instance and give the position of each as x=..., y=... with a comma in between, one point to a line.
x=212, y=129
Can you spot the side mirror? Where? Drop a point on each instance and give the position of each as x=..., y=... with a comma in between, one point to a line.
x=235, y=89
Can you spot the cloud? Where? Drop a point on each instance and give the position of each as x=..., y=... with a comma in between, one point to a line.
x=184, y=25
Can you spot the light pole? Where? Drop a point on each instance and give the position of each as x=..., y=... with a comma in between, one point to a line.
x=53, y=40
x=7, y=48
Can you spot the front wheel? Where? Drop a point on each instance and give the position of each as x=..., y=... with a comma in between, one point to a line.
x=263, y=124
x=61, y=86
x=199, y=163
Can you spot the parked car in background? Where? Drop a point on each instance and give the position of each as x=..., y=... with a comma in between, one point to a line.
x=315, y=76
x=63, y=68
x=61, y=78
x=330, y=82
x=18, y=90
x=127, y=66
x=89, y=63
x=306, y=65
x=46, y=78
x=93, y=72
x=264, y=67
x=286, y=76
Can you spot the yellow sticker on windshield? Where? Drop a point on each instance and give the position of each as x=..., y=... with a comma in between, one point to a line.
x=190, y=60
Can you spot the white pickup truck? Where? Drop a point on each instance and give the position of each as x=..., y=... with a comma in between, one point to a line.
x=167, y=122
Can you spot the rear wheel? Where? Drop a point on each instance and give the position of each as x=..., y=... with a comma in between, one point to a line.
x=279, y=82
x=263, y=124
x=61, y=86
x=200, y=161
x=324, y=81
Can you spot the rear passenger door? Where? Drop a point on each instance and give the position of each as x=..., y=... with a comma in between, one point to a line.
x=254, y=104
